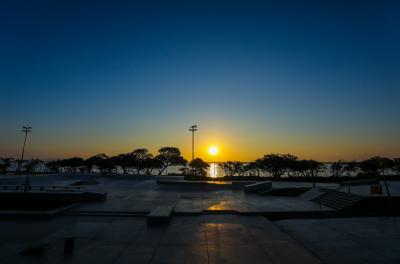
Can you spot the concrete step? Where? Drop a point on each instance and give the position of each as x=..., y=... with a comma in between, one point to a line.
x=336, y=200
x=343, y=194
x=332, y=205
x=343, y=199
x=339, y=202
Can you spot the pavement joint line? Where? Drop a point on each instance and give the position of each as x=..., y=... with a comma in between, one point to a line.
x=259, y=245
x=312, y=252
x=208, y=254
x=156, y=247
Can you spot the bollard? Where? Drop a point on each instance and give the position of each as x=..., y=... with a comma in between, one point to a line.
x=69, y=245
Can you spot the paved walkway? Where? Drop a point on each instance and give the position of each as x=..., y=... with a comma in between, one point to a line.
x=187, y=239
x=349, y=240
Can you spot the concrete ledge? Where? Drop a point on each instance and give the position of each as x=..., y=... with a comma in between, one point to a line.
x=37, y=213
x=94, y=196
x=259, y=186
x=106, y=213
x=160, y=215
x=240, y=185
x=40, y=198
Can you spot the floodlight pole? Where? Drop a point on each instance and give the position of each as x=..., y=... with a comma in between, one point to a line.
x=26, y=130
x=193, y=129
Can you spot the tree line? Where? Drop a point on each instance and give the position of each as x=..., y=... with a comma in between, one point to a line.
x=141, y=161
x=277, y=165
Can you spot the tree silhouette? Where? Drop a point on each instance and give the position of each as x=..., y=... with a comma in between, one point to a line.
x=32, y=165
x=124, y=161
x=298, y=168
x=314, y=168
x=375, y=166
x=105, y=165
x=228, y=167
x=252, y=168
x=53, y=165
x=72, y=164
x=95, y=161
x=198, y=167
x=5, y=164
x=184, y=171
x=233, y=167
x=350, y=167
x=337, y=168
x=20, y=164
x=276, y=164
x=152, y=164
x=139, y=158
x=169, y=156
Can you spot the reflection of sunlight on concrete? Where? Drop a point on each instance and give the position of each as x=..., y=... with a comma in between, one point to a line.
x=217, y=207
x=223, y=205
x=213, y=170
x=219, y=182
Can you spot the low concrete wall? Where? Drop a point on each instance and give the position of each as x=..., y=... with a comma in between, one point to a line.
x=44, y=200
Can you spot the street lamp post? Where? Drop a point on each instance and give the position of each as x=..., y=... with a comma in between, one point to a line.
x=193, y=129
x=26, y=130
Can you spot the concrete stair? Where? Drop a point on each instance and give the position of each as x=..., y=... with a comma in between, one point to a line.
x=336, y=200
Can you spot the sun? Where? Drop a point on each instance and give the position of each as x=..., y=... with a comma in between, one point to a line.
x=213, y=150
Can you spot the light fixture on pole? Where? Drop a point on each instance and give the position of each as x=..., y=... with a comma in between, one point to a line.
x=193, y=129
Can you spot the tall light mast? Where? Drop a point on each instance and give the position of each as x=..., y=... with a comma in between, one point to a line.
x=193, y=129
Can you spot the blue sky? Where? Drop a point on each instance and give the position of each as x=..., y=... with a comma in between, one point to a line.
x=318, y=80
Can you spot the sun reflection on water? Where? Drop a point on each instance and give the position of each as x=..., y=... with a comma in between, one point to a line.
x=213, y=170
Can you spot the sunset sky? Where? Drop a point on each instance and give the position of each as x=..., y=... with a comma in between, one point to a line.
x=317, y=80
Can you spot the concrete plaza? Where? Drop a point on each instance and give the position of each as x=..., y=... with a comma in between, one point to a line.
x=187, y=239
x=212, y=224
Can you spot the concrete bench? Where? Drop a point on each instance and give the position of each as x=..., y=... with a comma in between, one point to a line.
x=160, y=215
x=259, y=186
